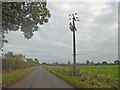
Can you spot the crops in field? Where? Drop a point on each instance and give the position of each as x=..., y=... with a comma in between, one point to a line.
x=92, y=76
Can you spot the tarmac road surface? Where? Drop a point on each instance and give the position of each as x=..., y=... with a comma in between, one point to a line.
x=40, y=78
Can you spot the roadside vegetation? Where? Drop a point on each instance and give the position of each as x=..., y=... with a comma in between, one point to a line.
x=88, y=76
x=0, y=78
x=16, y=66
x=12, y=61
x=10, y=77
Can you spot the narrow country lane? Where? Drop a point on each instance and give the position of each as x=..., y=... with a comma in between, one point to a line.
x=41, y=78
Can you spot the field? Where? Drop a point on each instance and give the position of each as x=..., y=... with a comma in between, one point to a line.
x=12, y=76
x=91, y=76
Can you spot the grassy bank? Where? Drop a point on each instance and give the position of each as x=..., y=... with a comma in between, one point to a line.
x=0, y=78
x=88, y=76
x=12, y=76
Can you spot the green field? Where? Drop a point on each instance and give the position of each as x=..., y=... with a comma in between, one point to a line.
x=12, y=76
x=91, y=76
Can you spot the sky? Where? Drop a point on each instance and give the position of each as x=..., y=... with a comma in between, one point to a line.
x=96, y=35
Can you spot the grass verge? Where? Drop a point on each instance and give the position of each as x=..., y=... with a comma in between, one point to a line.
x=12, y=76
x=72, y=80
x=85, y=79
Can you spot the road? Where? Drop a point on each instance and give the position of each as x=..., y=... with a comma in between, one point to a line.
x=40, y=78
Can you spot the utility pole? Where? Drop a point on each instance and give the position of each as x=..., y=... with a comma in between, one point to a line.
x=73, y=29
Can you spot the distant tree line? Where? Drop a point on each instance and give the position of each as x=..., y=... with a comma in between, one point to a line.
x=12, y=61
x=116, y=62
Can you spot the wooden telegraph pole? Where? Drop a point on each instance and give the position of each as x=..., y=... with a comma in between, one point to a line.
x=73, y=29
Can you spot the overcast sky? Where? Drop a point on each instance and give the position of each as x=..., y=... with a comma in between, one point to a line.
x=96, y=36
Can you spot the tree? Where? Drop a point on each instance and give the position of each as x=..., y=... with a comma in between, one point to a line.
x=88, y=62
x=98, y=63
x=9, y=54
x=36, y=61
x=55, y=63
x=44, y=63
x=104, y=63
x=116, y=62
x=24, y=16
x=30, y=60
x=69, y=63
x=92, y=63
x=12, y=61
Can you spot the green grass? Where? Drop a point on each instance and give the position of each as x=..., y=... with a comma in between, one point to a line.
x=88, y=76
x=12, y=76
x=0, y=78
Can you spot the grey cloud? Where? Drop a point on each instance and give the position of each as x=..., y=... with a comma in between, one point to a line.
x=96, y=35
